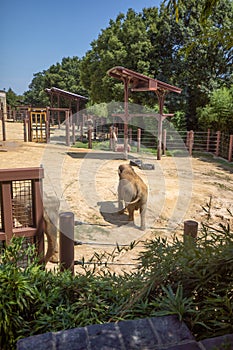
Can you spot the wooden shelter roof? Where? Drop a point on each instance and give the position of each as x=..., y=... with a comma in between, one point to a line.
x=65, y=94
x=140, y=82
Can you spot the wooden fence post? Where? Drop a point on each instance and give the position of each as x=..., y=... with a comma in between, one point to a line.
x=110, y=138
x=187, y=139
x=218, y=143
x=190, y=231
x=67, y=129
x=164, y=141
x=230, y=148
x=66, y=246
x=130, y=136
x=138, y=140
x=73, y=134
x=47, y=130
x=89, y=137
x=191, y=141
x=3, y=127
x=81, y=131
x=25, y=134
x=208, y=141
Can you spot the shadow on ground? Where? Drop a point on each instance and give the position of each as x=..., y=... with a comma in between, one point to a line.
x=110, y=213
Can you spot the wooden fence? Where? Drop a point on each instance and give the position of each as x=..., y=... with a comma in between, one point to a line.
x=220, y=144
x=215, y=142
x=21, y=206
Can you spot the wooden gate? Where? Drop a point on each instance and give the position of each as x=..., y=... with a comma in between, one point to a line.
x=38, y=125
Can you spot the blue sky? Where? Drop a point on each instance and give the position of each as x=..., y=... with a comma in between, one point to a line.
x=38, y=33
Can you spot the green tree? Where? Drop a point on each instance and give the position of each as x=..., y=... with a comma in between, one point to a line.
x=13, y=99
x=224, y=34
x=200, y=65
x=64, y=75
x=124, y=43
x=36, y=95
x=154, y=43
x=218, y=114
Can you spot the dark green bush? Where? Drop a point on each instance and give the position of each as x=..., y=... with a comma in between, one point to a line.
x=192, y=281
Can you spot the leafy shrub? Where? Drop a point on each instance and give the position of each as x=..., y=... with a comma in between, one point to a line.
x=192, y=281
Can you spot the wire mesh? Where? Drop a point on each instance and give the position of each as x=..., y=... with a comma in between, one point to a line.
x=22, y=208
x=224, y=145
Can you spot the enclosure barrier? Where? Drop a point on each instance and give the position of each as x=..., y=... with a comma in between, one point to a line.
x=67, y=241
x=21, y=206
x=218, y=143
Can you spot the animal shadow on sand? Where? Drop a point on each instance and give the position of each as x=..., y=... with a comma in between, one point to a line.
x=109, y=212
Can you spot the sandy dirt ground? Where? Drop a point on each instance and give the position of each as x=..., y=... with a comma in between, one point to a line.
x=85, y=182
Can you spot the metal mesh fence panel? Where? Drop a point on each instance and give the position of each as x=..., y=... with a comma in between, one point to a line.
x=22, y=209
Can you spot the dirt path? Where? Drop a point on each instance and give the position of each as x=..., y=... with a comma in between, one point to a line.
x=86, y=183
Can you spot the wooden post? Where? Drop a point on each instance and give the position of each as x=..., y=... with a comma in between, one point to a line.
x=187, y=139
x=110, y=138
x=138, y=140
x=67, y=129
x=190, y=231
x=218, y=143
x=191, y=139
x=114, y=139
x=126, y=117
x=81, y=131
x=3, y=127
x=130, y=136
x=89, y=137
x=66, y=246
x=164, y=141
x=208, y=141
x=38, y=213
x=58, y=113
x=25, y=136
x=29, y=125
x=230, y=148
x=73, y=134
x=47, y=124
x=160, y=130
x=7, y=210
x=47, y=131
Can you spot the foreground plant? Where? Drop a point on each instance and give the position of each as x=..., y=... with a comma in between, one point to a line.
x=192, y=281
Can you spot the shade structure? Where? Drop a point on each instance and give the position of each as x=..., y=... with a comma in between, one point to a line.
x=139, y=82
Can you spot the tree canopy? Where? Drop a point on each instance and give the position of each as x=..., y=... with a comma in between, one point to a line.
x=218, y=113
x=64, y=75
x=192, y=51
x=155, y=44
